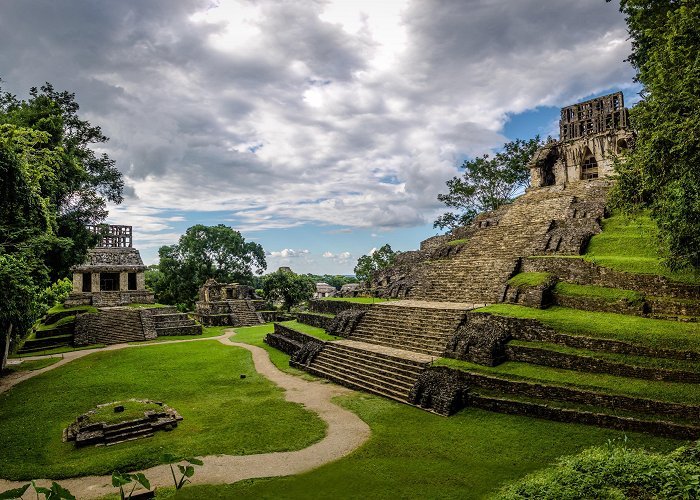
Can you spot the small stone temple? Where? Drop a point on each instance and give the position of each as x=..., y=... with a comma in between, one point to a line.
x=590, y=134
x=113, y=272
x=232, y=304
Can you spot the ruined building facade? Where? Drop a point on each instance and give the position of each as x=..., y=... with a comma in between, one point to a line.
x=590, y=134
x=113, y=272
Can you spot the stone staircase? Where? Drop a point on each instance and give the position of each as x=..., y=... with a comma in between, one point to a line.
x=381, y=370
x=244, y=313
x=168, y=322
x=530, y=226
x=422, y=327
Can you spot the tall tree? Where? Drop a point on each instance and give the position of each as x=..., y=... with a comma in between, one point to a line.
x=367, y=265
x=487, y=183
x=287, y=287
x=661, y=172
x=50, y=180
x=205, y=252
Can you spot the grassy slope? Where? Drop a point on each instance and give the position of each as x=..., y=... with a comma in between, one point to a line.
x=222, y=412
x=529, y=279
x=416, y=454
x=630, y=244
x=644, y=331
x=597, y=292
x=27, y=366
x=319, y=333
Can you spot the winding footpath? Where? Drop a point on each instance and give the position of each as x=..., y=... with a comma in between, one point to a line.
x=345, y=431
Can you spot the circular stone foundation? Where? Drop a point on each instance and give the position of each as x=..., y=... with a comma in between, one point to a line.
x=120, y=421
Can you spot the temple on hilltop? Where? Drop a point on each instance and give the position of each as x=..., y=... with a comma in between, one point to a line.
x=590, y=133
x=113, y=272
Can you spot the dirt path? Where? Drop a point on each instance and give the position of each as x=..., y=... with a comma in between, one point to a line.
x=345, y=432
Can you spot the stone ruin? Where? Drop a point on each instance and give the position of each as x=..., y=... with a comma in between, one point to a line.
x=113, y=272
x=324, y=290
x=222, y=304
x=84, y=431
x=590, y=134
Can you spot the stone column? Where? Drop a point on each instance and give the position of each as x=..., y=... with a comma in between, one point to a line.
x=77, y=282
x=95, y=283
x=123, y=281
x=140, y=280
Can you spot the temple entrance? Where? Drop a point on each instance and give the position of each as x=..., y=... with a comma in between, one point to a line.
x=109, y=282
x=589, y=168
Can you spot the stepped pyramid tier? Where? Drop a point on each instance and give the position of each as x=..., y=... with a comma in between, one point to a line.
x=228, y=304
x=113, y=272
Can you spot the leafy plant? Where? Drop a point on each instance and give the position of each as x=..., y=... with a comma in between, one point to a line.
x=186, y=471
x=55, y=492
x=120, y=480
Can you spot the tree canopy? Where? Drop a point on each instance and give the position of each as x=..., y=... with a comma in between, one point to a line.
x=487, y=183
x=205, y=252
x=287, y=287
x=662, y=172
x=367, y=265
x=51, y=184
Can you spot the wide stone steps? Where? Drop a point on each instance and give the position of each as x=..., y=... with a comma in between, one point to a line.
x=393, y=341
x=387, y=374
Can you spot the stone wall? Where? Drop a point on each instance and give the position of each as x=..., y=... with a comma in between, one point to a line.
x=335, y=306
x=317, y=320
x=109, y=326
x=441, y=390
x=583, y=272
x=481, y=338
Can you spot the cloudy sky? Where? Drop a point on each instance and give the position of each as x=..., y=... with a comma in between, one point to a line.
x=320, y=129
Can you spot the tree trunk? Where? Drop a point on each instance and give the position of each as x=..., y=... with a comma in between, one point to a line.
x=4, y=346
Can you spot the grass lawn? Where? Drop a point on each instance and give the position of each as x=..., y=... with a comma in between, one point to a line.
x=61, y=308
x=57, y=350
x=416, y=454
x=319, y=333
x=223, y=413
x=27, y=366
x=207, y=331
x=597, y=292
x=631, y=244
x=359, y=300
x=634, y=329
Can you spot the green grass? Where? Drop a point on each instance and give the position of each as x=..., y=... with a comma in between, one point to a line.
x=631, y=244
x=61, y=308
x=63, y=321
x=654, y=333
x=674, y=392
x=132, y=410
x=319, y=333
x=57, y=350
x=223, y=413
x=456, y=242
x=254, y=335
x=598, y=292
x=26, y=366
x=416, y=454
x=529, y=279
x=641, y=361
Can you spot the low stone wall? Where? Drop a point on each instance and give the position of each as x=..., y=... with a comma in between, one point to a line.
x=335, y=306
x=656, y=427
x=317, y=320
x=441, y=390
x=345, y=322
x=282, y=343
x=481, y=338
x=583, y=272
x=590, y=364
x=600, y=305
x=295, y=335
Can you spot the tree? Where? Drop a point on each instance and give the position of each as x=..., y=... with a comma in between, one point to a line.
x=289, y=288
x=661, y=173
x=50, y=180
x=205, y=252
x=487, y=183
x=367, y=265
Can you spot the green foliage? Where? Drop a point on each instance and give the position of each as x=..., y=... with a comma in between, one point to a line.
x=598, y=292
x=186, y=471
x=204, y=252
x=661, y=172
x=119, y=480
x=367, y=265
x=289, y=288
x=613, y=472
x=55, y=492
x=57, y=293
x=487, y=183
x=631, y=244
x=529, y=279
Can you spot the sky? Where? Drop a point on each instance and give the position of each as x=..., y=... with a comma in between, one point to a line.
x=319, y=129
